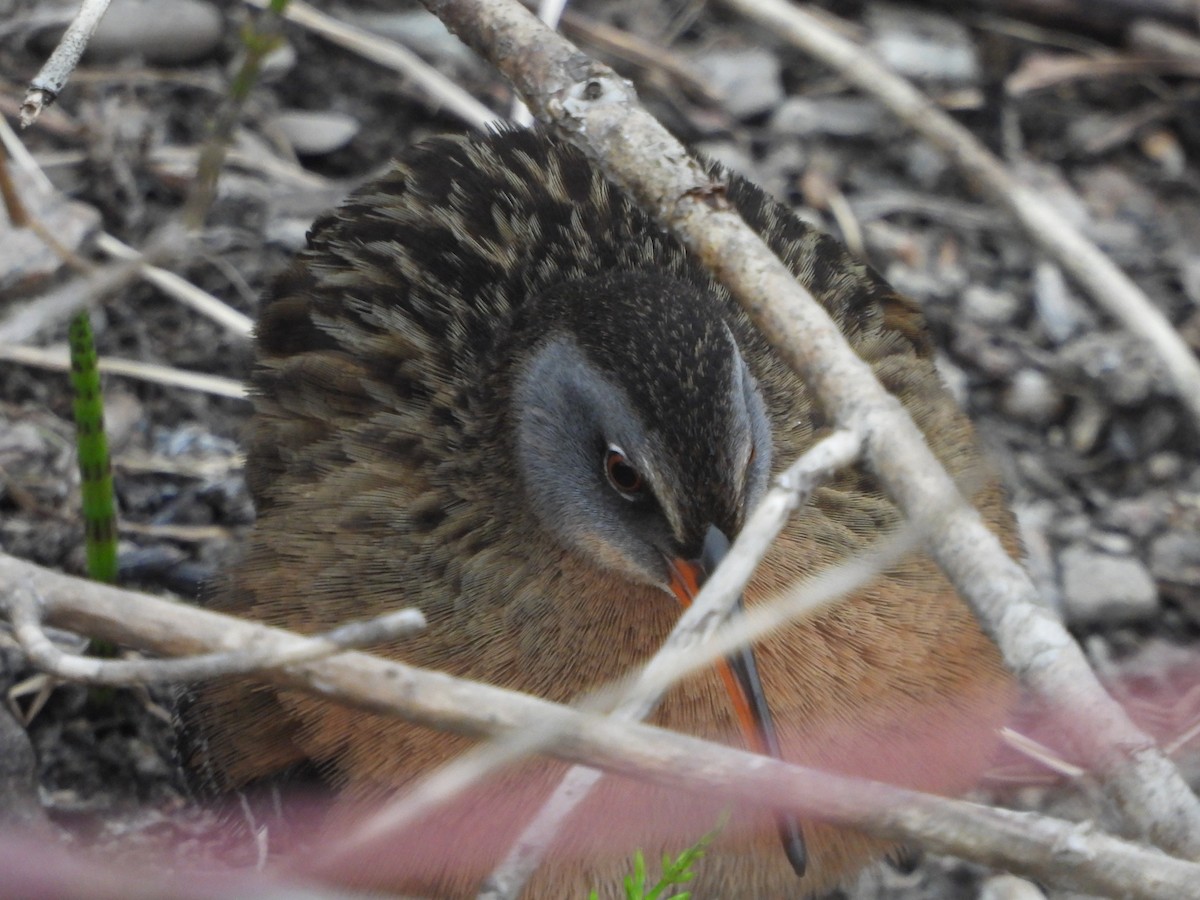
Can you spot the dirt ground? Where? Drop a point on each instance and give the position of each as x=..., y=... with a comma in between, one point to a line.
x=1102, y=464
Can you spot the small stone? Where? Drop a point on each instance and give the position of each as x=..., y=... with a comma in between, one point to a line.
x=747, y=80
x=923, y=46
x=837, y=116
x=1031, y=398
x=1060, y=311
x=278, y=63
x=987, y=306
x=420, y=30
x=1112, y=542
x=1164, y=466
x=1175, y=557
x=1085, y=425
x=316, y=133
x=1120, y=365
x=26, y=263
x=1138, y=517
x=162, y=32
x=982, y=348
x=1101, y=589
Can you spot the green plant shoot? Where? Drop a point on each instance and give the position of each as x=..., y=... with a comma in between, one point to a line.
x=675, y=872
x=95, y=468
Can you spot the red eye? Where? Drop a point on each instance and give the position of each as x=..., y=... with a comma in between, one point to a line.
x=625, y=479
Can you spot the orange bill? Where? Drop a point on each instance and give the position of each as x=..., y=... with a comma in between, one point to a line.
x=739, y=672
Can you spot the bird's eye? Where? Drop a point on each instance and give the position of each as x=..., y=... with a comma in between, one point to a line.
x=625, y=479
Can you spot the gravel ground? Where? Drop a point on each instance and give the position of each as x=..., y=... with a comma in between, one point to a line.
x=1101, y=462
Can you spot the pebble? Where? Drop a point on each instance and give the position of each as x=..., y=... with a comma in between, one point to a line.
x=747, y=80
x=1165, y=466
x=1120, y=365
x=1101, y=589
x=1139, y=516
x=1060, y=312
x=420, y=30
x=954, y=378
x=922, y=46
x=278, y=63
x=1032, y=398
x=162, y=32
x=1085, y=425
x=26, y=263
x=987, y=306
x=1175, y=557
x=837, y=116
x=316, y=133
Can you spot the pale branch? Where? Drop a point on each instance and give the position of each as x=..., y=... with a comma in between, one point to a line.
x=440, y=90
x=1107, y=284
x=22, y=608
x=168, y=282
x=56, y=359
x=50, y=80
x=1059, y=853
x=591, y=106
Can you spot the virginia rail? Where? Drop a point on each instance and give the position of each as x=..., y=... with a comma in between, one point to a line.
x=494, y=389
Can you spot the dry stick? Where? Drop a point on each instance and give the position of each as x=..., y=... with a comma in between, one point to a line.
x=22, y=608
x=181, y=289
x=550, y=12
x=42, y=313
x=49, y=82
x=56, y=360
x=1059, y=853
x=586, y=102
x=1108, y=285
x=392, y=56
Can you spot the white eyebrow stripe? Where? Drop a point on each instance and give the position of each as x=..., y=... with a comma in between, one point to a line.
x=742, y=436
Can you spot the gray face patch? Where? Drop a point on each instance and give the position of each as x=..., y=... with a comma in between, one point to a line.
x=568, y=415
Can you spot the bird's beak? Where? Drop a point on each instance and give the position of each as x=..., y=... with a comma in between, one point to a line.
x=740, y=674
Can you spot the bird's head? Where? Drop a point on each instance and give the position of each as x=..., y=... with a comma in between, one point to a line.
x=639, y=426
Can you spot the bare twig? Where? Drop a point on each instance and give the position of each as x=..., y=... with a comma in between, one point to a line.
x=1107, y=284
x=56, y=359
x=596, y=110
x=391, y=55
x=49, y=82
x=550, y=12
x=21, y=325
x=180, y=288
x=22, y=608
x=1059, y=853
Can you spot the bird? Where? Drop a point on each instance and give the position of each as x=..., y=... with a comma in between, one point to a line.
x=491, y=387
